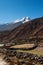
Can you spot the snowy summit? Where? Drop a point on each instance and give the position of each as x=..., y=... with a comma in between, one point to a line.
x=23, y=20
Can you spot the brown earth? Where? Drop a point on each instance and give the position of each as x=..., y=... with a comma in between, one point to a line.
x=30, y=29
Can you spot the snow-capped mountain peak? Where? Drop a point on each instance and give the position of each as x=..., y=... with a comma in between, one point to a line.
x=12, y=25
x=23, y=20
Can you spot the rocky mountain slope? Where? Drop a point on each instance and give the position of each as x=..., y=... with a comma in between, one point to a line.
x=6, y=28
x=27, y=30
x=9, y=26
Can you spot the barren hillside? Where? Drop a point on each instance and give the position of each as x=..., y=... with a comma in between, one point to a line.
x=30, y=29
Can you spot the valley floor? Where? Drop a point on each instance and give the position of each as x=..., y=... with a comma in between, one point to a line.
x=38, y=51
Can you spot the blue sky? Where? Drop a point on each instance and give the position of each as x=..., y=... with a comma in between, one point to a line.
x=11, y=10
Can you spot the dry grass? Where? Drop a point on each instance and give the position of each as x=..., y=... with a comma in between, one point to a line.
x=37, y=51
x=23, y=46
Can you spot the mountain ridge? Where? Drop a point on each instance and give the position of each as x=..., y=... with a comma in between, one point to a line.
x=24, y=31
x=11, y=26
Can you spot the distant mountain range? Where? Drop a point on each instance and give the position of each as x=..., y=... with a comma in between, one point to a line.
x=11, y=26
x=28, y=29
x=6, y=28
